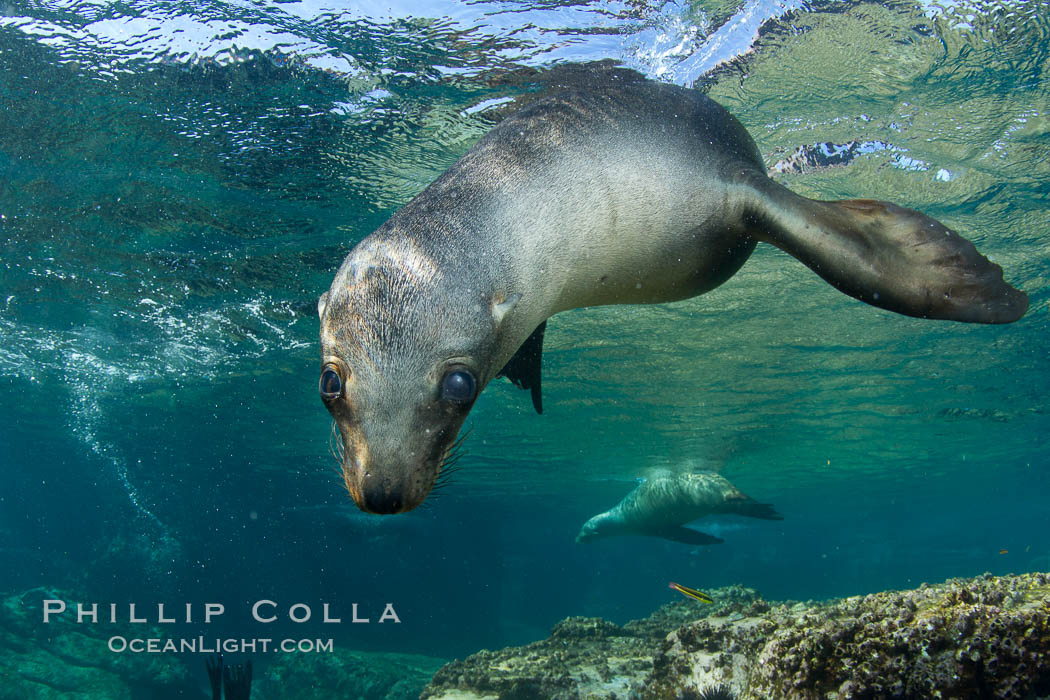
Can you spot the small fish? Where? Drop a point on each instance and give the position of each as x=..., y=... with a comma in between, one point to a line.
x=1004, y=551
x=691, y=592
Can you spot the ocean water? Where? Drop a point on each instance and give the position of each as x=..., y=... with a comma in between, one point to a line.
x=180, y=180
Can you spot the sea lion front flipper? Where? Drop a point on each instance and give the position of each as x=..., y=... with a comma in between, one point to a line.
x=887, y=256
x=686, y=535
x=524, y=368
x=765, y=511
x=742, y=504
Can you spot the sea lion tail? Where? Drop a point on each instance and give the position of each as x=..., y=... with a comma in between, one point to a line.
x=885, y=255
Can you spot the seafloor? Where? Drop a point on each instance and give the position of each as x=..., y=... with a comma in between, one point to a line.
x=986, y=637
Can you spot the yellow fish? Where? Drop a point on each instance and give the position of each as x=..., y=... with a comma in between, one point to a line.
x=691, y=592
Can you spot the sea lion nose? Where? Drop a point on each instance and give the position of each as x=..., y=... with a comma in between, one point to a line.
x=375, y=498
x=381, y=480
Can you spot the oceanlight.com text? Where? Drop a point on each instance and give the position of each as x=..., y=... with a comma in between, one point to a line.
x=215, y=645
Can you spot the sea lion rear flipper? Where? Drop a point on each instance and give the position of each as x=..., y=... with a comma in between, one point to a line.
x=686, y=535
x=765, y=511
x=887, y=256
x=524, y=368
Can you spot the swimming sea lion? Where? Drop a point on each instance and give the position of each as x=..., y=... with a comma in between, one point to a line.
x=632, y=193
x=661, y=507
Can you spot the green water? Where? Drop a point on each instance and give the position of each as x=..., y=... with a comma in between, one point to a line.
x=179, y=183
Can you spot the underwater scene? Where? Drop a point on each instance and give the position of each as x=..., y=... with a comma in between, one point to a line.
x=769, y=490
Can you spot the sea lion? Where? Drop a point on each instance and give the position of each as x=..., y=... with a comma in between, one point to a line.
x=635, y=192
x=661, y=507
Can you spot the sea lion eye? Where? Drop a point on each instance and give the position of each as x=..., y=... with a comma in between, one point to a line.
x=331, y=383
x=458, y=386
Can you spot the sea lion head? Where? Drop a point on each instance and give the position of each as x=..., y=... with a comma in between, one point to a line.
x=404, y=355
x=591, y=530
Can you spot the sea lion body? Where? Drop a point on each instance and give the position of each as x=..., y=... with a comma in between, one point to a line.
x=638, y=193
x=579, y=204
x=661, y=507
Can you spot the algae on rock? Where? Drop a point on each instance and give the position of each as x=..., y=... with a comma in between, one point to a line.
x=966, y=638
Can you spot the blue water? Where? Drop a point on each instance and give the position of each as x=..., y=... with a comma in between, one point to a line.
x=180, y=181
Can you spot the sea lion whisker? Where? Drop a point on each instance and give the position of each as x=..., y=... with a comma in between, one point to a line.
x=443, y=480
x=454, y=449
x=458, y=443
x=346, y=480
x=335, y=443
x=453, y=454
x=335, y=449
x=337, y=471
x=462, y=438
x=331, y=447
x=448, y=467
x=457, y=447
x=424, y=505
x=445, y=475
x=450, y=460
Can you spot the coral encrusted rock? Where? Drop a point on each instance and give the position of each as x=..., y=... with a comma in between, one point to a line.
x=986, y=637
x=584, y=657
x=977, y=638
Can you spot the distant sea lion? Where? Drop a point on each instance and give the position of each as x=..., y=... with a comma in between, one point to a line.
x=661, y=507
x=629, y=193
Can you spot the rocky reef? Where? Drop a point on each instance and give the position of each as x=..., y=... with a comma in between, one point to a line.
x=66, y=661
x=346, y=674
x=986, y=637
x=63, y=660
